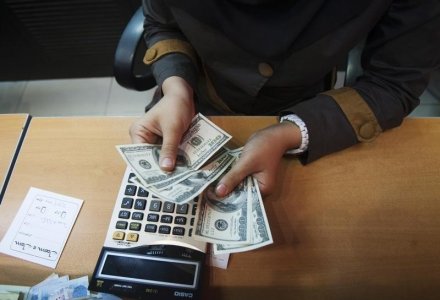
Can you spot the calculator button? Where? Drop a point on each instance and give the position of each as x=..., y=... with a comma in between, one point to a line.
x=121, y=225
x=155, y=205
x=124, y=214
x=137, y=216
x=130, y=190
x=131, y=176
x=153, y=218
x=190, y=232
x=194, y=210
x=135, y=226
x=166, y=219
x=142, y=192
x=164, y=229
x=132, y=237
x=178, y=231
x=180, y=220
x=140, y=204
x=192, y=222
x=182, y=209
x=118, y=235
x=168, y=207
x=127, y=203
x=150, y=228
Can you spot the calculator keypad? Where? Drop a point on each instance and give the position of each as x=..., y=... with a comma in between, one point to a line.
x=139, y=212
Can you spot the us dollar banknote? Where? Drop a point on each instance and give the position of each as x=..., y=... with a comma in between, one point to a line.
x=224, y=220
x=260, y=230
x=201, y=141
x=189, y=188
x=144, y=161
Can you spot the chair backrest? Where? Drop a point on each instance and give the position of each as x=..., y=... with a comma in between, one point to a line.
x=434, y=85
x=354, y=65
x=127, y=55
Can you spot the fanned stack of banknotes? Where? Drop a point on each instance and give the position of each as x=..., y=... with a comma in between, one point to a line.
x=234, y=223
x=54, y=287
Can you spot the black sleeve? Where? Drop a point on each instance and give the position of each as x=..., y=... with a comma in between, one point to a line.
x=400, y=53
x=160, y=25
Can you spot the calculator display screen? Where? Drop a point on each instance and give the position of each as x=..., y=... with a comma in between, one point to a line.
x=152, y=270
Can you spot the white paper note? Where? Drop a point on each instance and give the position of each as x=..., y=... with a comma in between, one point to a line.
x=41, y=227
x=217, y=260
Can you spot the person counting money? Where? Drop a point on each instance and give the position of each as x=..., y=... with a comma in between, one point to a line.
x=263, y=57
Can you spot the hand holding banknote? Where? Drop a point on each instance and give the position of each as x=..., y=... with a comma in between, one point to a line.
x=260, y=158
x=167, y=120
x=235, y=222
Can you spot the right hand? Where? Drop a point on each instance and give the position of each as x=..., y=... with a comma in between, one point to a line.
x=167, y=120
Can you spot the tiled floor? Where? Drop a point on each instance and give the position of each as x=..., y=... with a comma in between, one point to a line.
x=104, y=96
x=72, y=97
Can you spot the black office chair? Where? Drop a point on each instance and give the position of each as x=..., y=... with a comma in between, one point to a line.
x=129, y=70
x=434, y=85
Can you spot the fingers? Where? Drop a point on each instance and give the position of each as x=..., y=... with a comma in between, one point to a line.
x=168, y=153
x=142, y=131
x=241, y=169
x=139, y=133
x=260, y=158
x=266, y=183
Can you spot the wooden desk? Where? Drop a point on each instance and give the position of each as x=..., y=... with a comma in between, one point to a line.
x=11, y=130
x=359, y=224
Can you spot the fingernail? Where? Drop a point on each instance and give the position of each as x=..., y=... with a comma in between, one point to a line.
x=166, y=163
x=221, y=189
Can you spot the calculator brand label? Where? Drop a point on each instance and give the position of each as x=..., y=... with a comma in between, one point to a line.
x=183, y=294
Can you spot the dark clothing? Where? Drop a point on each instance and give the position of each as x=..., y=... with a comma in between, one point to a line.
x=402, y=47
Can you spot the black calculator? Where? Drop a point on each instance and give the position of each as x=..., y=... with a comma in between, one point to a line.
x=149, y=251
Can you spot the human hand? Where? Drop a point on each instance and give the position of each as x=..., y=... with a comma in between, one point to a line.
x=167, y=120
x=260, y=157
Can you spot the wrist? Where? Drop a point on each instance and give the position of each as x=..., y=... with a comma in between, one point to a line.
x=178, y=87
x=290, y=134
x=301, y=126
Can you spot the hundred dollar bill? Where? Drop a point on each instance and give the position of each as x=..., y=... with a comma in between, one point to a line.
x=193, y=185
x=260, y=234
x=144, y=161
x=199, y=143
x=180, y=177
x=175, y=177
x=224, y=220
x=202, y=140
x=236, y=152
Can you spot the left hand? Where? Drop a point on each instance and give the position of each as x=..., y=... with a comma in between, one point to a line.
x=260, y=157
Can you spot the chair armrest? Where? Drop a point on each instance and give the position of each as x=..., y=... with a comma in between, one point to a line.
x=125, y=56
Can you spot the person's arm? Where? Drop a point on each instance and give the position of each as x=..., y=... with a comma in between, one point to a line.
x=398, y=56
x=168, y=51
x=173, y=64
